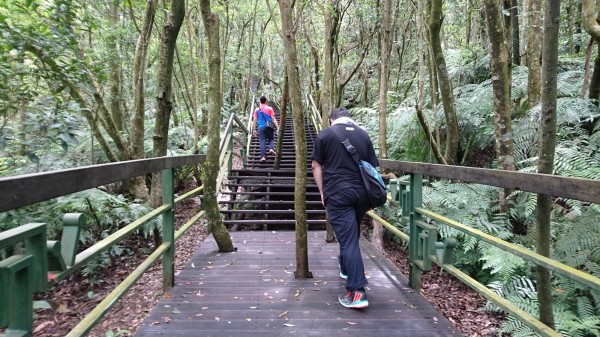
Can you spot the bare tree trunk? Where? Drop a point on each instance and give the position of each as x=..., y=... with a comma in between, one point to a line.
x=534, y=36
x=115, y=70
x=291, y=61
x=327, y=64
x=499, y=64
x=435, y=25
x=421, y=35
x=546, y=154
x=165, y=91
x=211, y=165
x=384, y=72
x=514, y=20
x=591, y=26
x=285, y=100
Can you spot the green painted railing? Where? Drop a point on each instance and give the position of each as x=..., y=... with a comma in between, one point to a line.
x=43, y=263
x=422, y=239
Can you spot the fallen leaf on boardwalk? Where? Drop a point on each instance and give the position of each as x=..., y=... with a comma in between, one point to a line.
x=283, y=313
x=176, y=311
x=435, y=319
x=317, y=289
x=204, y=308
x=351, y=323
x=229, y=264
x=252, y=307
x=217, y=319
x=154, y=323
x=297, y=294
x=266, y=294
x=187, y=283
x=193, y=265
x=167, y=295
x=166, y=319
x=287, y=324
x=249, y=319
x=199, y=293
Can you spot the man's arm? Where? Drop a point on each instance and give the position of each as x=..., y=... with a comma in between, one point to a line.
x=317, y=171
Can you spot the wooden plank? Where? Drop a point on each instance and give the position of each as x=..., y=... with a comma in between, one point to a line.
x=548, y=184
x=253, y=292
x=28, y=189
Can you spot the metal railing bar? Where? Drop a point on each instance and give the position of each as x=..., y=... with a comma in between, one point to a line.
x=88, y=323
x=506, y=305
x=560, y=268
x=188, y=224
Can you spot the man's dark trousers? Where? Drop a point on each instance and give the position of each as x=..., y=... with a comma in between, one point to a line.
x=346, y=208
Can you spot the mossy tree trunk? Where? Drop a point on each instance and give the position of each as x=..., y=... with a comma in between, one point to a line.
x=211, y=166
x=291, y=62
x=534, y=37
x=445, y=86
x=546, y=154
x=499, y=65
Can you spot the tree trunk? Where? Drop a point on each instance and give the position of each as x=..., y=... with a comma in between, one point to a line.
x=591, y=26
x=435, y=25
x=421, y=36
x=291, y=62
x=534, y=36
x=211, y=165
x=384, y=72
x=327, y=65
x=499, y=65
x=115, y=70
x=546, y=154
x=165, y=92
x=514, y=20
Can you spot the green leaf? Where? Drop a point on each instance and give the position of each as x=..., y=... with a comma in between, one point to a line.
x=41, y=305
x=35, y=159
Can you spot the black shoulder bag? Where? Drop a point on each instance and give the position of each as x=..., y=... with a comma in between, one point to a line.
x=370, y=176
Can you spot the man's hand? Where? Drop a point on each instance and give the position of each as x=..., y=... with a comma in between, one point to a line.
x=254, y=133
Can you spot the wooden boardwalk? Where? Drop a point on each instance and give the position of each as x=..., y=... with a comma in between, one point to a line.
x=253, y=292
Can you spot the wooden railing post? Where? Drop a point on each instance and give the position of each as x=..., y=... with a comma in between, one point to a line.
x=17, y=302
x=168, y=229
x=414, y=201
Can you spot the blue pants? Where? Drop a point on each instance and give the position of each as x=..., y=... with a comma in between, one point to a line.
x=266, y=135
x=346, y=208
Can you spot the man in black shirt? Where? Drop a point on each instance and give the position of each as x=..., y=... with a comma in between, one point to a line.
x=342, y=192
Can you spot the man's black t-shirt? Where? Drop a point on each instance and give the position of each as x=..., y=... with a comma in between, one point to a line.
x=339, y=168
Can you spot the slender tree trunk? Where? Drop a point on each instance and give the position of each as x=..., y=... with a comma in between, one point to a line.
x=546, y=154
x=435, y=25
x=384, y=71
x=499, y=64
x=115, y=70
x=590, y=23
x=164, y=94
x=212, y=165
x=326, y=89
x=514, y=20
x=291, y=62
x=421, y=36
x=285, y=102
x=534, y=36
x=194, y=77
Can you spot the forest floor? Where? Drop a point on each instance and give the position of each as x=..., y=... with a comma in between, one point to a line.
x=76, y=296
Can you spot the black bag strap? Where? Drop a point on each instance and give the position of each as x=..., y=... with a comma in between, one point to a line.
x=349, y=147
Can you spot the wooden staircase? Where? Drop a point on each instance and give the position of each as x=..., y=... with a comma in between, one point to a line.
x=261, y=197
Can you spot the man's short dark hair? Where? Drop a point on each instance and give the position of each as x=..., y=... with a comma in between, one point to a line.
x=337, y=113
x=263, y=99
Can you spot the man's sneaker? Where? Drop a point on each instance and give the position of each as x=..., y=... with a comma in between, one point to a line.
x=272, y=152
x=263, y=158
x=354, y=299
